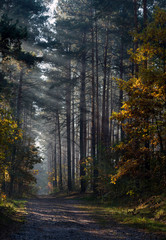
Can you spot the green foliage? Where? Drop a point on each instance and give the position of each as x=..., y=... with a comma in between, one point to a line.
x=149, y=215
x=25, y=158
x=28, y=58
x=25, y=8
x=11, y=211
x=11, y=35
x=30, y=6
x=9, y=132
x=143, y=115
x=18, y=153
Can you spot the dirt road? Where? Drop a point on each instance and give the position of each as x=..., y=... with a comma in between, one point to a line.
x=61, y=218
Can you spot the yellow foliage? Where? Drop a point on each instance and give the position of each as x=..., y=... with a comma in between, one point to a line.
x=9, y=133
x=6, y=174
x=2, y=197
x=143, y=115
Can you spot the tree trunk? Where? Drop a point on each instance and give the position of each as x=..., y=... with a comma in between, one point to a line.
x=107, y=110
x=111, y=110
x=73, y=143
x=93, y=130
x=83, y=117
x=103, y=134
x=136, y=30
x=19, y=98
x=145, y=23
x=60, y=152
x=97, y=93
x=55, y=163
x=145, y=12
x=12, y=172
x=18, y=117
x=68, y=121
x=121, y=91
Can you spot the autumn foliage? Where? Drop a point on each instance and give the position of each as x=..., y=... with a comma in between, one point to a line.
x=11, y=136
x=143, y=114
x=9, y=132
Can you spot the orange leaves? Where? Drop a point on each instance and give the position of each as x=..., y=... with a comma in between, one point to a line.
x=143, y=114
x=126, y=168
x=113, y=179
x=2, y=197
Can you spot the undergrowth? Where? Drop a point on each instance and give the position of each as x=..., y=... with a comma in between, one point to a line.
x=11, y=211
x=149, y=214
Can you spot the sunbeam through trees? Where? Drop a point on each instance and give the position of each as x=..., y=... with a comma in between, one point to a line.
x=83, y=98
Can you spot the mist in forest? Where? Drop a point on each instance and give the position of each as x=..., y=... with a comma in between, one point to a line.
x=82, y=104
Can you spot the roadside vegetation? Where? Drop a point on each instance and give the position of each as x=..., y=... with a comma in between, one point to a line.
x=148, y=215
x=12, y=213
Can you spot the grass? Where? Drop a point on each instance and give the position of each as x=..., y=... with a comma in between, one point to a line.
x=11, y=211
x=149, y=215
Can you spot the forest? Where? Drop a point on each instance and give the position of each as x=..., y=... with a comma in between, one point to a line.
x=83, y=97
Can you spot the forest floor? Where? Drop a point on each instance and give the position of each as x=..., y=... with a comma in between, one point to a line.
x=67, y=218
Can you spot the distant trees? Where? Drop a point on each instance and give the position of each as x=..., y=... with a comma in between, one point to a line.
x=87, y=41
x=95, y=36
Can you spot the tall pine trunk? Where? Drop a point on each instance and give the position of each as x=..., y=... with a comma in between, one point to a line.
x=83, y=116
x=60, y=151
x=97, y=92
x=55, y=163
x=68, y=121
x=73, y=142
x=18, y=118
x=93, y=130
x=103, y=133
x=111, y=110
x=108, y=110
x=145, y=16
x=121, y=91
x=136, y=30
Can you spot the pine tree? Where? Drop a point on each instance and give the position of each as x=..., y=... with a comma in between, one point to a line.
x=143, y=114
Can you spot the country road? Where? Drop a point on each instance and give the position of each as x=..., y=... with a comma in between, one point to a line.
x=51, y=218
